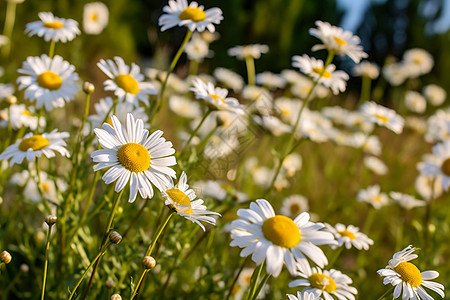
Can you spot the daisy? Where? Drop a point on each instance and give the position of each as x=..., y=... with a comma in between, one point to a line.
x=134, y=156
x=193, y=16
x=418, y=61
x=248, y=51
x=22, y=116
x=6, y=90
x=49, y=81
x=373, y=196
x=303, y=296
x=197, y=48
x=53, y=28
x=293, y=205
x=438, y=126
x=216, y=98
x=435, y=94
x=337, y=40
x=335, y=80
x=185, y=107
x=180, y=198
x=415, y=102
x=31, y=146
x=126, y=83
x=349, y=236
x=229, y=78
x=395, y=73
x=279, y=239
x=270, y=80
x=405, y=276
x=326, y=284
x=428, y=187
x=406, y=201
x=95, y=17
x=376, y=165
x=383, y=116
x=440, y=166
x=366, y=69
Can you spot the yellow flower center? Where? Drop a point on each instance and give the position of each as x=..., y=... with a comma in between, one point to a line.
x=49, y=80
x=215, y=97
x=294, y=208
x=26, y=113
x=180, y=198
x=35, y=142
x=445, y=167
x=45, y=187
x=127, y=83
x=348, y=234
x=54, y=25
x=192, y=13
x=285, y=112
x=417, y=60
x=281, y=231
x=409, y=273
x=340, y=41
x=322, y=282
x=134, y=157
x=94, y=17
x=376, y=198
x=319, y=71
x=382, y=118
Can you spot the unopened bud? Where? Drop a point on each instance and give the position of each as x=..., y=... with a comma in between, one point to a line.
x=116, y=297
x=11, y=99
x=110, y=284
x=5, y=257
x=148, y=262
x=24, y=268
x=88, y=87
x=50, y=220
x=115, y=237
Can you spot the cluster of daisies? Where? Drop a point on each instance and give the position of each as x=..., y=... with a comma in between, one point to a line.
x=222, y=115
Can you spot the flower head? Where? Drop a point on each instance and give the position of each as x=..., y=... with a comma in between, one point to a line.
x=383, y=116
x=373, y=196
x=53, y=28
x=95, y=17
x=440, y=165
x=248, y=51
x=350, y=236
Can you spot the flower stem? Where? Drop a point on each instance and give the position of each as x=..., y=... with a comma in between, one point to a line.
x=47, y=247
x=385, y=293
x=250, y=64
x=230, y=290
x=208, y=112
x=41, y=193
x=9, y=26
x=365, y=89
x=260, y=286
x=254, y=281
x=51, y=51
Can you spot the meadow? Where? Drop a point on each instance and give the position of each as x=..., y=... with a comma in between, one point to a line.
x=124, y=177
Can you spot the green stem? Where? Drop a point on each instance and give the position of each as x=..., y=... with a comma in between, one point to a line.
x=260, y=286
x=365, y=89
x=385, y=293
x=250, y=64
x=335, y=257
x=254, y=280
x=193, y=67
x=171, y=68
x=41, y=193
x=194, y=133
x=51, y=52
x=230, y=290
x=9, y=26
x=47, y=247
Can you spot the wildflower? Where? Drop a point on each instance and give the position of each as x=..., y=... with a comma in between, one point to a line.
x=438, y=126
x=229, y=78
x=395, y=73
x=197, y=48
x=373, y=196
x=270, y=80
x=279, y=239
x=337, y=40
x=5, y=257
x=303, y=296
x=415, y=102
x=428, y=187
x=31, y=146
x=133, y=156
x=405, y=276
x=49, y=81
x=366, y=69
x=126, y=83
x=248, y=51
x=22, y=116
x=181, y=199
x=349, y=236
x=6, y=90
x=293, y=205
x=53, y=28
x=383, y=116
x=440, y=166
x=376, y=165
x=406, y=201
x=435, y=94
x=418, y=62
x=193, y=16
x=95, y=17
x=184, y=107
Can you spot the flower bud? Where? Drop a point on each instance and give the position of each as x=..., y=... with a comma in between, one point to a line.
x=50, y=220
x=88, y=87
x=148, y=262
x=110, y=284
x=116, y=297
x=11, y=99
x=115, y=237
x=5, y=257
x=24, y=268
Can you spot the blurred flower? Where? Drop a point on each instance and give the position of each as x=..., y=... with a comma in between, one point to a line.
x=337, y=40
x=326, y=283
x=32, y=146
x=95, y=17
x=335, y=80
x=181, y=199
x=48, y=187
x=376, y=165
x=21, y=116
x=395, y=73
x=248, y=51
x=293, y=205
x=291, y=164
x=126, y=83
x=440, y=166
x=383, y=116
x=303, y=296
x=193, y=16
x=400, y=273
x=53, y=28
x=349, y=236
x=418, y=62
x=220, y=144
x=6, y=90
x=229, y=78
x=48, y=81
x=243, y=283
x=416, y=124
x=367, y=69
x=134, y=157
x=370, y=144
x=429, y=187
x=270, y=80
x=406, y=201
x=435, y=94
x=273, y=124
x=279, y=239
x=197, y=48
x=373, y=196
x=438, y=126
x=184, y=107
x=415, y=102
x=4, y=40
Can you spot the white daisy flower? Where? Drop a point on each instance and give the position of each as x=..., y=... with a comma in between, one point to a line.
x=335, y=80
x=303, y=296
x=435, y=94
x=407, y=279
x=48, y=187
x=438, y=126
x=229, y=78
x=406, y=201
x=95, y=17
x=293, y=205
x=376, y=165
x=415, y=102
x=274, y=125
x=185, y=107
x=31, y=146
x=326, y=284
x=270, y=80
x=366, y=69
x=132, y=155
x=418, y=62
x=349, y=236
x=53, y=28
x=369, y=144
x=181, y=199
x=127, y=83
x=197, y=48
x=395, y=73
x=193, y=16
x=21, y=116
x=49, y=81
x=428, y=187
x=337, y=40
x=440, y=166
x=383, y=116
x=373, y=196
x=279, y=239
x=220, y=144
x=248, y=51
x=211, y=188
x=6, y=90
x=216, y=98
